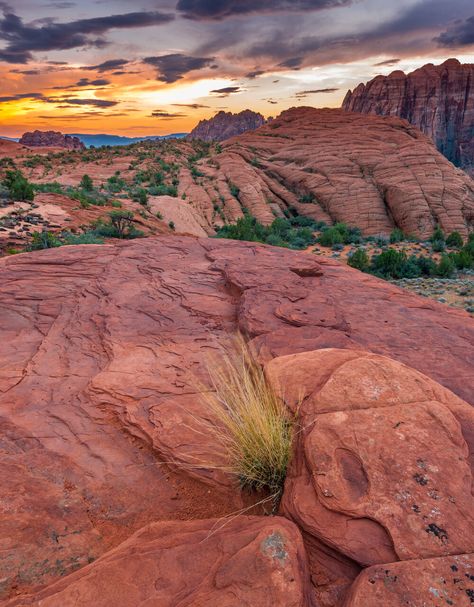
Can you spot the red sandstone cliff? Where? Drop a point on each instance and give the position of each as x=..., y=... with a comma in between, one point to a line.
x=439, y=100
x=225, y=125
x=51, y=139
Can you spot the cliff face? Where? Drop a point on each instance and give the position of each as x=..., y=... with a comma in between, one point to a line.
x=225, y=125
x=439, y=100
x=52, y=139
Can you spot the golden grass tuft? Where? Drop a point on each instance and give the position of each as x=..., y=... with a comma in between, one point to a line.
x=253, y=428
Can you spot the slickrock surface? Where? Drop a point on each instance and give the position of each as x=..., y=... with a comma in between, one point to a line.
x=370, y=480
x=244, y=562
x=103, y=350
x=44, y=139
x=224, y=125
x=441, y=581
x=436, y=99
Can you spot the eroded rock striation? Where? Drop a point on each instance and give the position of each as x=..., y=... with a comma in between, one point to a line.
x=225, y=125
x=45, y=139
x=439, y=100
x=103, y=350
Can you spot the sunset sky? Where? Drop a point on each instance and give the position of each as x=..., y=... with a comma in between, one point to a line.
x=158, y=66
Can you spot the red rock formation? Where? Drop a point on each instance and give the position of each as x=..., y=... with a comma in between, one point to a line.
x=44, y=139
x=372, y=172
x=225, y=125
x=447, y=580
x=368, y=481
x=436, y=99
x=102, y=352
x=244, y=561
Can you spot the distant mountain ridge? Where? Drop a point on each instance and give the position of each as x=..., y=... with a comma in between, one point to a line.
x=102, y=139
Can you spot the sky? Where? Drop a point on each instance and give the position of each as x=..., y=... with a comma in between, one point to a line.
x=152, y=67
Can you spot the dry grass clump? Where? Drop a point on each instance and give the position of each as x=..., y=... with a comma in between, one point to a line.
x=251, y=425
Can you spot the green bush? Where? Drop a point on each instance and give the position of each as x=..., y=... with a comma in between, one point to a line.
x=397, y=235
x=359, y=260
x=438, y=234
x=390, y=264
x=446, y=267
x=454, y=240
x=330, y=237
x=85, y=238
x=86, y=183
x=120, y=225
x=19, y=187
x=43, y=240
x=438, y=246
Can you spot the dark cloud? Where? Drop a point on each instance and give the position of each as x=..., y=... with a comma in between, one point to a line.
x=108, y=66
x=193, y=106
x=87, y=82
x=255, y=74
x=315, y=92
x=292, y=63
x=460, y=33
x=59, y=5
x=220, y=9
x=171, y=68
x=26, y=72
x=388, y=62
x=227, y=90
x=21, y=96
x=25, y=39
x=93, y=102
x=166, y=115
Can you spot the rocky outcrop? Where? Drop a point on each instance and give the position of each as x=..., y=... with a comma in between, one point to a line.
x=368, y=484
x=373, y=172
x=244, y=561
x=43, y=139
x=439, y=100
x=225, y=125
x=103, y=353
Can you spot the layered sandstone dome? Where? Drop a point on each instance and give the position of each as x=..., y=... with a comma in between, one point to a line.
x=439, y=100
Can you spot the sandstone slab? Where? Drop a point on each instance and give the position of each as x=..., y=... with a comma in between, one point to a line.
x=244, y=562
x=440, y=581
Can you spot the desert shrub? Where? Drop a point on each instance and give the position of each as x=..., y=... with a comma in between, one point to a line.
x=86, y=183
x=140, y=195
x=51, y=188
x=19, y=187
x=234, y=190
x=89, y=237
x=115, y=184
x=307, y=198
x=246, y=228
x=254, y=430
x=438, y=246
x=86, y=198
x=390, y=264
x=359, y=260
x=462, y=260
x=438, y=234
x=171, y=225
x=120, y=225
x=330, y=237
x=454, y=240
x=43, y=240
x=397, y=235
x=446, y=267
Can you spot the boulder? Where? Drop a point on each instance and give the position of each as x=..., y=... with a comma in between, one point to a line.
x=241, y=562
x=372, y=478
x=439, y=581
